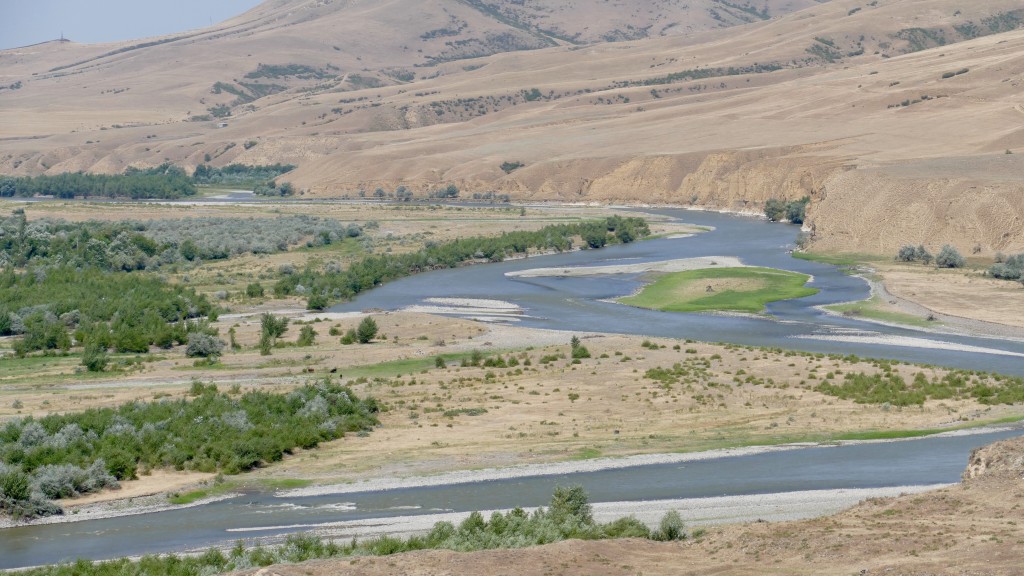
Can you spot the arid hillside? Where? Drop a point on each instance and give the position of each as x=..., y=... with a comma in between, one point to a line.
x=903, y=120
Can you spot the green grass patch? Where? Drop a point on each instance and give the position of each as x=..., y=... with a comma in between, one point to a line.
x=871, y=309
x=839, y=259
x=731, y=289
x=285, y=483
x=587, y=454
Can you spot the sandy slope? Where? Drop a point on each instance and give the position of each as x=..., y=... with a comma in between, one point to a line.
x=410, y=107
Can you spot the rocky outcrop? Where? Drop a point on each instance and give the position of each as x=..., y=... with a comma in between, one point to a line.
x=1004, y=458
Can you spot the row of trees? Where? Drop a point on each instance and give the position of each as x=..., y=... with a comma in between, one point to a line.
x=138, y=245
x=948, y=256
x=239, y=174
x=165, y=181
x=64, y=455
x=323, y=287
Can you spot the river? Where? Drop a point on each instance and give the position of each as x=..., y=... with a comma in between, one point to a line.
x=581, y=304
x=930, y=460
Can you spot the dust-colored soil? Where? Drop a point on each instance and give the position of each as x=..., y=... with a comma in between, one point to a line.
x=889, y=149
x=966, y=294
x=974, y=528
x=155, y=482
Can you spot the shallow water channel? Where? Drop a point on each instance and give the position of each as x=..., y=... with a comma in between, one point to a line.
x=905, y=463
x=581, y=303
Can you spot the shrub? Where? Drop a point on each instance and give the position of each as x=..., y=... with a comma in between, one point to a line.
x=579, y=351
x=367, y=330
x=95, y=357
x=923, y=254
x=307, y=336
x=670, y=528
x=949, y=258
x=906, y=253
x=509, y=167
x=203, y=346
x=14, y=484
x=254, y=290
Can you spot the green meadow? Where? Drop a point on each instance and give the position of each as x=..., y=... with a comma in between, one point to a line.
x=721, y=289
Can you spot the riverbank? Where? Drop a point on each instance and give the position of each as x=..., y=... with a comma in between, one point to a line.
x=697, y=512
x=958, y=529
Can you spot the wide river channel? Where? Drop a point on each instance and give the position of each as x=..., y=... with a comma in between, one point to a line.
x=581, y=304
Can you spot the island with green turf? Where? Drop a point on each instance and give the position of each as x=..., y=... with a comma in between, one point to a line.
x=732, y=289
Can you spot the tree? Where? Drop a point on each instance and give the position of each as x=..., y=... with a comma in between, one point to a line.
x=774, y=209
x=949, y=258
x=571, y=504
x=671, y=527
x=578, y=350
x=271, y=328
x=796, y=211
x=367, y=330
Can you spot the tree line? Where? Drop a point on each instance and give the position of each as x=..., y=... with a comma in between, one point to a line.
x=324, y=287
x=149, y=245
x=164, y=182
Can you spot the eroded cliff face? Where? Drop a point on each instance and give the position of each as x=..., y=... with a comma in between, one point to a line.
x=976, y=205
x=877, y=212
x=1003, y=459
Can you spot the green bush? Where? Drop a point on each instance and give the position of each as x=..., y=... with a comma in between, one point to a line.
x=307, y=336
x=211, y=431
x=367, y=330
x=949, y=258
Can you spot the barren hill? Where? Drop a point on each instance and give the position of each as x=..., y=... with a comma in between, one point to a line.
x=894, y=116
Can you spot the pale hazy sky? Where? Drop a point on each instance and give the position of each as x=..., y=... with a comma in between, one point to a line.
x=24, y=22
